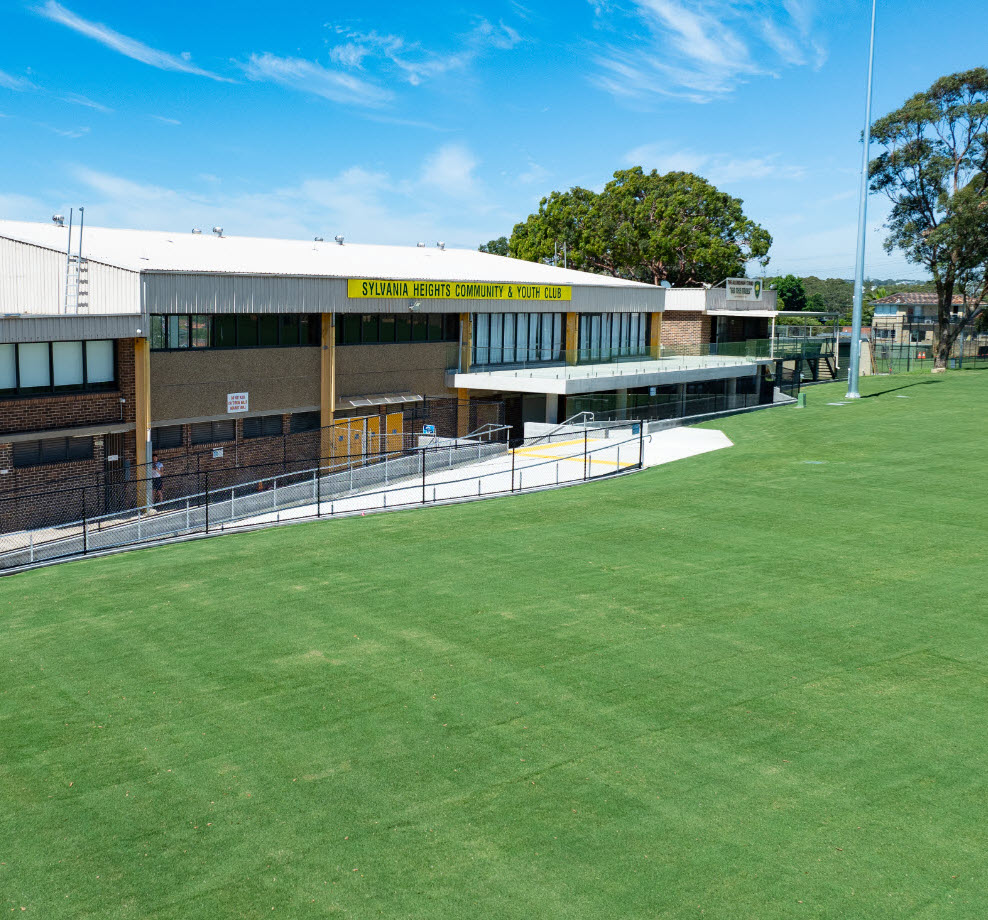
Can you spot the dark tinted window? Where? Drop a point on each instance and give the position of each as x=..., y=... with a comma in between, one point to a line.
x=246, y=331
x=267, y=334
x=264, y=426
x=166, y=436
x=305, y=421
x=225, y=331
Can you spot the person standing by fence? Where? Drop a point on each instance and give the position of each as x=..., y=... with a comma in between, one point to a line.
x=157, y=480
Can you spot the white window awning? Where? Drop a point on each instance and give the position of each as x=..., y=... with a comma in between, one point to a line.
x=376, y=399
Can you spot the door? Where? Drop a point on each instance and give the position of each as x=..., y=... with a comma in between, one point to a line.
x=114, y=473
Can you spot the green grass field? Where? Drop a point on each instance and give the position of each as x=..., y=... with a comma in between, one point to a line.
x=752, y=684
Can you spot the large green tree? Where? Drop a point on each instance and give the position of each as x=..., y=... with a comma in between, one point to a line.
x=650, y=227
x=934, y=170
x=498, y=247
x=792, y=294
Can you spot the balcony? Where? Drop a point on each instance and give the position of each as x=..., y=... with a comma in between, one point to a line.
x=598, y=370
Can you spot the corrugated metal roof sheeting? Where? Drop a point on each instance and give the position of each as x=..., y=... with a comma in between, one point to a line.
x=201, y=293
x=70, y=328
x=32, y=281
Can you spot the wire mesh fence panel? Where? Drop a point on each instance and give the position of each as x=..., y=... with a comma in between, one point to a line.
x=456, y=470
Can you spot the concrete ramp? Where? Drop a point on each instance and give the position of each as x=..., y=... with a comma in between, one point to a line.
x=679, y=443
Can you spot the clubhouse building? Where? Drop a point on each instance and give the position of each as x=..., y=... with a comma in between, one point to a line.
x=129, y=342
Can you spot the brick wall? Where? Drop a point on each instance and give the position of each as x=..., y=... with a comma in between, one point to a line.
x=684, y=328
x=76, y=410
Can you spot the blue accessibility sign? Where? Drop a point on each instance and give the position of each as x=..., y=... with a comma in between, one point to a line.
x=428, y=429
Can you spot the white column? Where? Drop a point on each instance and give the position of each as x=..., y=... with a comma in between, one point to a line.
x=552, y=408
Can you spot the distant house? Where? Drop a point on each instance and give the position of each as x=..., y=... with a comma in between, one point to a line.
x=908, y=317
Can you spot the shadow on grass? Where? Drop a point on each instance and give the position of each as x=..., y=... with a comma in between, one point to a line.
x=905, y=386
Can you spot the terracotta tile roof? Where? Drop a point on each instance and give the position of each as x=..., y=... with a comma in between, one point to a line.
x=918, y=298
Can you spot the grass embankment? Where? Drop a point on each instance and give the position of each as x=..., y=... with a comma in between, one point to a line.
x=749, y=684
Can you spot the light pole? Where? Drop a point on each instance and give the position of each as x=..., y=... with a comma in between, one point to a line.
x=855, y=362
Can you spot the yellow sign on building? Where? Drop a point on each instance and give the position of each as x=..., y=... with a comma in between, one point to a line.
x=365, y=288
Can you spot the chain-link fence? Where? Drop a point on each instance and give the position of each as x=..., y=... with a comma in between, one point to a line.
x=432, y=472
x=904, y=357
x=242, y=459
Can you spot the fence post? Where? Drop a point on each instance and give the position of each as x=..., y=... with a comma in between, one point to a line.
x=513, y=470
x=584, y=454
x=207, y=501
x=641, y=445
x=85, y=534
x=423, y=475
x=318, y=494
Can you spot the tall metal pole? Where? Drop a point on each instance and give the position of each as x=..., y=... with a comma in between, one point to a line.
x=855, y=362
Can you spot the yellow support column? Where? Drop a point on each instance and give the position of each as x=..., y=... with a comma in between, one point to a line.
x=327, y=387
x=655, y=335
x=572, y=337
x=463, y=396
x=142, y=406
x=462, y=413
x=466, y=342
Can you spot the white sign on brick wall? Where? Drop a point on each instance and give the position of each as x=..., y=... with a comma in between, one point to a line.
x=236, y=402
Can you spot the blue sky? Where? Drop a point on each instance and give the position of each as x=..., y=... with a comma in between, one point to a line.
x=395, y=123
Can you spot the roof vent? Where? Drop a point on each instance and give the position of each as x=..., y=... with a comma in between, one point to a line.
x=218, y=231
x=58, y=220
x=196, y=230
x=441, y=244
x=420, y=245
x=317, y=239
x=339, y=239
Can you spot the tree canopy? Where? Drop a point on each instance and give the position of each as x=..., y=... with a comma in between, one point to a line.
x=792, y=294
x=498, y=247
x=934, y=170
x=675, y=227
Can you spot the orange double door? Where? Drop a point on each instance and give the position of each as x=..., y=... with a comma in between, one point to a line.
x=354, y=439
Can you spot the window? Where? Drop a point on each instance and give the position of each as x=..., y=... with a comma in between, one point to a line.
x=34, y=365
x=507, y=338
x=66, y=362
x=158, y=339
x=43, y=368
x=605, y=336
x=390, y=328
x=263, y=426
x=199, y=331
x=289, y=329
x=211, y=432
x=8, y=368
x=224, y=331
x=52, y=450
x=100, y=370
x=369, y=329
x=166, y=436
x=304, y=421
x=234, y=330
x=267, y=330
x=178, y=332
x=247, y=331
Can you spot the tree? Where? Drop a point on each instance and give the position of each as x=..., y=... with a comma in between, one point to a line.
x=649, y=227
x=934, y=170
x=498, y=247
x=792, y=294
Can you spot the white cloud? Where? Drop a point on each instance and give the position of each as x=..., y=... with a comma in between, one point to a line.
x=129, y=47
x=414, y=62
x=450, y=170
x=310, y=77
x=76, y=99
x=165, y=120
x=18, y=84
x=696, y=52
x=442, y=199
x=719, y=169
x=65, y=132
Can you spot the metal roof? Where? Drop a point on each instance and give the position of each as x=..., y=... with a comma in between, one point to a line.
x=155, y=251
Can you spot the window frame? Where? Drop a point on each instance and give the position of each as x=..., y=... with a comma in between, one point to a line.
x=51, y=389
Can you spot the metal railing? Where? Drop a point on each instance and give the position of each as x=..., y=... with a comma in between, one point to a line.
x=425, y=478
